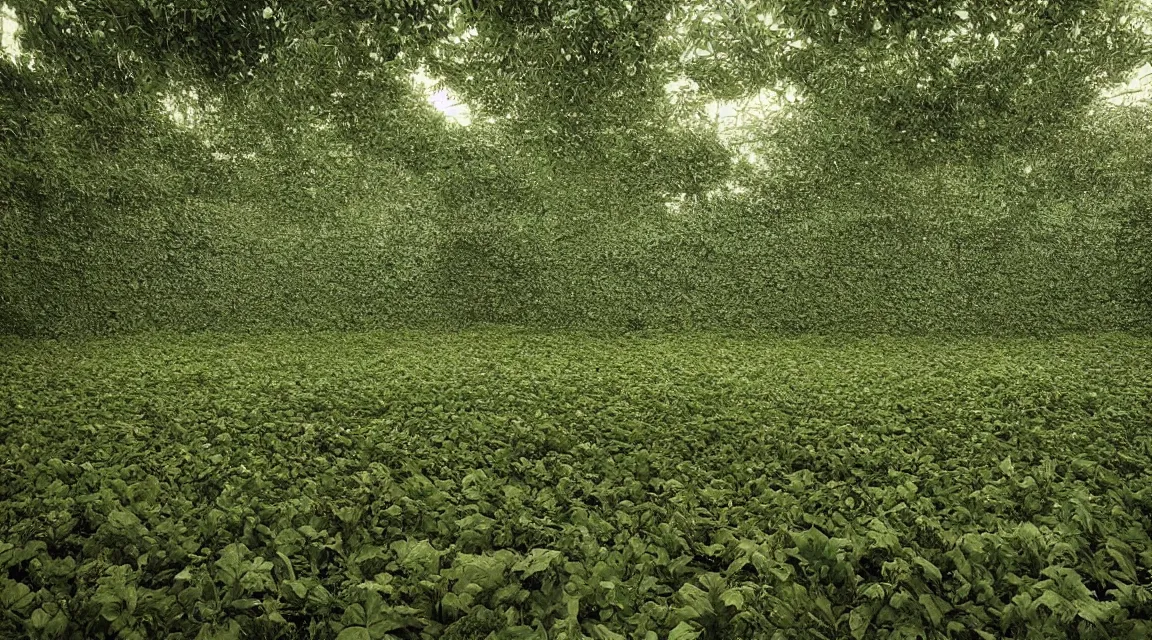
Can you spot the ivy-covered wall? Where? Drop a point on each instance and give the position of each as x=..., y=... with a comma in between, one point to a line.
x=214, y=266
x=240, y=166
x=329, y=237
x=1135, y=252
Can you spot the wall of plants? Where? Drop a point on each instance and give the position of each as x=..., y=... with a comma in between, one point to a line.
x=318, y=190
x=391, y=255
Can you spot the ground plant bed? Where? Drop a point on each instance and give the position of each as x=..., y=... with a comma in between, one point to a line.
x=502, y=483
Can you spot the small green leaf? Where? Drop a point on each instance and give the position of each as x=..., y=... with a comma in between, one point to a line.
x=354, y=633
x=536, y=561
x=604, y=633
x=683, y=631
x=733, y=598
x=244, y=604
x=40, y=619
x=934, y=612
x=1095, y=611
x=930, y=570
x=899, y=599
x=858, y=621
x=1054, y=601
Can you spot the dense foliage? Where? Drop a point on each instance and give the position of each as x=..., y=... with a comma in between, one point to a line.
x=361, y=241
x=940, y=167
x=432, y=485
x=310, y=184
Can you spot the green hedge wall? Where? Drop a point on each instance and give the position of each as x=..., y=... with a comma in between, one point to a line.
x=1135, y=250
x=348, y=241
x=213, y=268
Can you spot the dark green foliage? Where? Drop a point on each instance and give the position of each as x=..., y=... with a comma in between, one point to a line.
x=1136, y=251
x=962, y=77
x=457, y=485
x=328, y=234
x=318, y=189
x=221, y=40
x=501, y=484
x=562, y=72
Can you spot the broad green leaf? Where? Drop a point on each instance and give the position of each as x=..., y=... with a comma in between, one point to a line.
x=602, y=632
x=696, y=598
x=930, y=569
x=536, y=561
x=825, y=607
x=683, y=631
x=417, y=555
x=354, y=633
x=243, y=604
x=899, y=599
x=354, y=615
x=16, y=596
x=231, y=562
x=934, y=612
x=1052, y=600
x=1095, y=611
x=733, y=598
x=39, y=619
x=124, y=520
x=369, y=552
x=858, y=621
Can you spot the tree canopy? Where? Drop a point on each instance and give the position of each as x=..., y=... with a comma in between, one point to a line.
x=298, y=130
x=579, y=73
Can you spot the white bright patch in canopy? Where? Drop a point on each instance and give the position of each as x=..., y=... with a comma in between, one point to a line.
x=443, y=99
x=735, y=120
x=1138, y=88
x=681, y=86
x=728, y=189
x=464, y=36
x=9, y=26
x=182, y=107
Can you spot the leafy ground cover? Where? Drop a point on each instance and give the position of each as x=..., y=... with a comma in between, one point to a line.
x=497, y=483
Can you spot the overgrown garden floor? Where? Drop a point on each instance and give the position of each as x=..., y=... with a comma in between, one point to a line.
x=563, y=485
